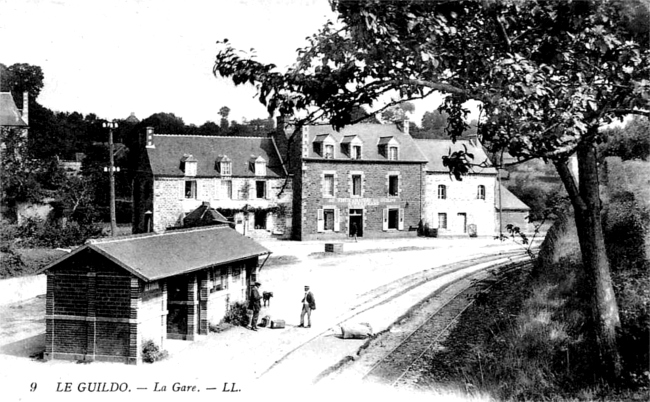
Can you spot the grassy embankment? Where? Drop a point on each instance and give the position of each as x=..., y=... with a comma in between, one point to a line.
x=529, y=339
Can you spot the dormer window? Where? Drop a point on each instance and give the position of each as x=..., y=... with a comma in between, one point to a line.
x=389, y=148
x=351, y=146
x=188, y=165
x=323, y=145
x=224, y=166
x=258, y=166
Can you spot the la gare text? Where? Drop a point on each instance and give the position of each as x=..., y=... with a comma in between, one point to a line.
x=118, y=387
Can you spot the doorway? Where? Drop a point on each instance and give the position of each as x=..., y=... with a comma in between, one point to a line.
x=356, y=222
x=462, y=221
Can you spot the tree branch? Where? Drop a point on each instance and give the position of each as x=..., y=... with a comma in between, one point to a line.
x=645, y=113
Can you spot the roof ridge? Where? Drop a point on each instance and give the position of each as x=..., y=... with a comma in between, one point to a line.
x=147, y=235
x=212, y=136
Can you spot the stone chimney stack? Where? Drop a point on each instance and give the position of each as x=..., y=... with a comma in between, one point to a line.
x=406, y=125
x=149, y=138
x=25, y=110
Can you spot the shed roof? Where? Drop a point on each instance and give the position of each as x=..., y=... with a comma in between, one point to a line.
x=157, y=256
x=9, y=113
x=370, y=135
x=435, y=149
x=165, y=157
x=204, y=215
x=510, y=201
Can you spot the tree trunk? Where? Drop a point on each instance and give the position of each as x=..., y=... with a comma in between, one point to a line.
x=585, y=198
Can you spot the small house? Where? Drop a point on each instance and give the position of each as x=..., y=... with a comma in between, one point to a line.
x=108, y=297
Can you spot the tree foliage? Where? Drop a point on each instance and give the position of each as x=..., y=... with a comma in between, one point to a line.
x=548, y=75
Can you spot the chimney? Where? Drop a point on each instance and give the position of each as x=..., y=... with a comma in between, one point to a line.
x=25, y=110
x=406, y=125
x=280, y=138
x=150, y=143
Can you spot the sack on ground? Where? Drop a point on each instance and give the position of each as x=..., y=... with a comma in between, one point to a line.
x=277, y=324
x=266, y=321
x=356, y=331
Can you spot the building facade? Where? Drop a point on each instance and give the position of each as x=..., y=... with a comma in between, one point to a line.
x=109, y=297
x=241, y=177
x=366, y=179
x=453, y=207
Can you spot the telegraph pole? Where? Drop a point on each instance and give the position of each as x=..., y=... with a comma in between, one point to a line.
x=111, y=174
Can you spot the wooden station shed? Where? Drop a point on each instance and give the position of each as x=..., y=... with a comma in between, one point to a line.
x=108, y=297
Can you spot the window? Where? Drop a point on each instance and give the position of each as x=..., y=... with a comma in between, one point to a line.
x=356, y=152
x=190, y=188
x=328, y=215
x=260, y=189
x=329, y=185
x=328, y=219
x=226, y=186
x=318, y=148
x=356, y=185
x=226, y=168
x=393, y=185
x=392, y=153
x=393, y=218
x=442, y=221
x=329, y=151
x=480, y=194
x=442, y=192
x=260, y=168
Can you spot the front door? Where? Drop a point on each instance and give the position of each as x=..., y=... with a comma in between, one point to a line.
x=462, y=222
x=356, y=222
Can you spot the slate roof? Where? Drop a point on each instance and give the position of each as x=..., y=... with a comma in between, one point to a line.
x=169, y=149
x=510, y=201
x=435, y=149
x=157, y=256
x=204, y=215
x=10, y=115
x=370, y=135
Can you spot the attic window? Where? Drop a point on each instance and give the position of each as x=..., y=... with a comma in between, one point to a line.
x=323, y=145
x=258, y=166
x=224, y=166
x=388, y=147
x=188, y=165
x=351, y=146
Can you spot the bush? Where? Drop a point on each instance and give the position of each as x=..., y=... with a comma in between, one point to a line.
x=38, y=233
x=152, y=353
x=237, y=314
x=12, y=262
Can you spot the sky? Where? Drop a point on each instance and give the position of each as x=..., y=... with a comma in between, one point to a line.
x=117, y=57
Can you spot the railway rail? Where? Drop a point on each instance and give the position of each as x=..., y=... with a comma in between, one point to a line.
x=397, y=365
x=376, y=298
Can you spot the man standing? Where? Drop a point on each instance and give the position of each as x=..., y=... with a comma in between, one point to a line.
x=308, y=304
x=255, y=304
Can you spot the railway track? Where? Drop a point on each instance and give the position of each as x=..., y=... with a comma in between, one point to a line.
x=393, y=357
x=463, y=273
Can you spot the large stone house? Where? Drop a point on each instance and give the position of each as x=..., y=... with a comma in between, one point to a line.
x=453, y=207
x=243, y=178
x=107, y=298
x=367, y=177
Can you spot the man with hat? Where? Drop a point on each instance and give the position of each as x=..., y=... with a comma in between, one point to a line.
x=255, y=304
x=308, y=304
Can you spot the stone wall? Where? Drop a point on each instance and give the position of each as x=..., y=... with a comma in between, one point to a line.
x=461, y=198
x=374, y=200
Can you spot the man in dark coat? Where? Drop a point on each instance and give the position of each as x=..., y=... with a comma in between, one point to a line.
x=255, y=304
x=308, y=304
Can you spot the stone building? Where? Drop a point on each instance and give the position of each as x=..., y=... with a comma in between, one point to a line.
x=107, y=298
x=453, y=207
x=513, y=211
x=367, y=176
x=241, y=177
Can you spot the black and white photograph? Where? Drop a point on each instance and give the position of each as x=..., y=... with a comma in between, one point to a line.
x=316, y=200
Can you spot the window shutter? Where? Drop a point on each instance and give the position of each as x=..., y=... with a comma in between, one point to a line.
x=337, y=220
x=267, y=189
x=401, y=219
x=321, y=221
x=385, y=221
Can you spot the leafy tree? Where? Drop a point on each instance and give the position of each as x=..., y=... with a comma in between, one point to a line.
x=19, y=78
x=224, y=112
x=629, y=142
x=548, y=76
x=397, y=113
